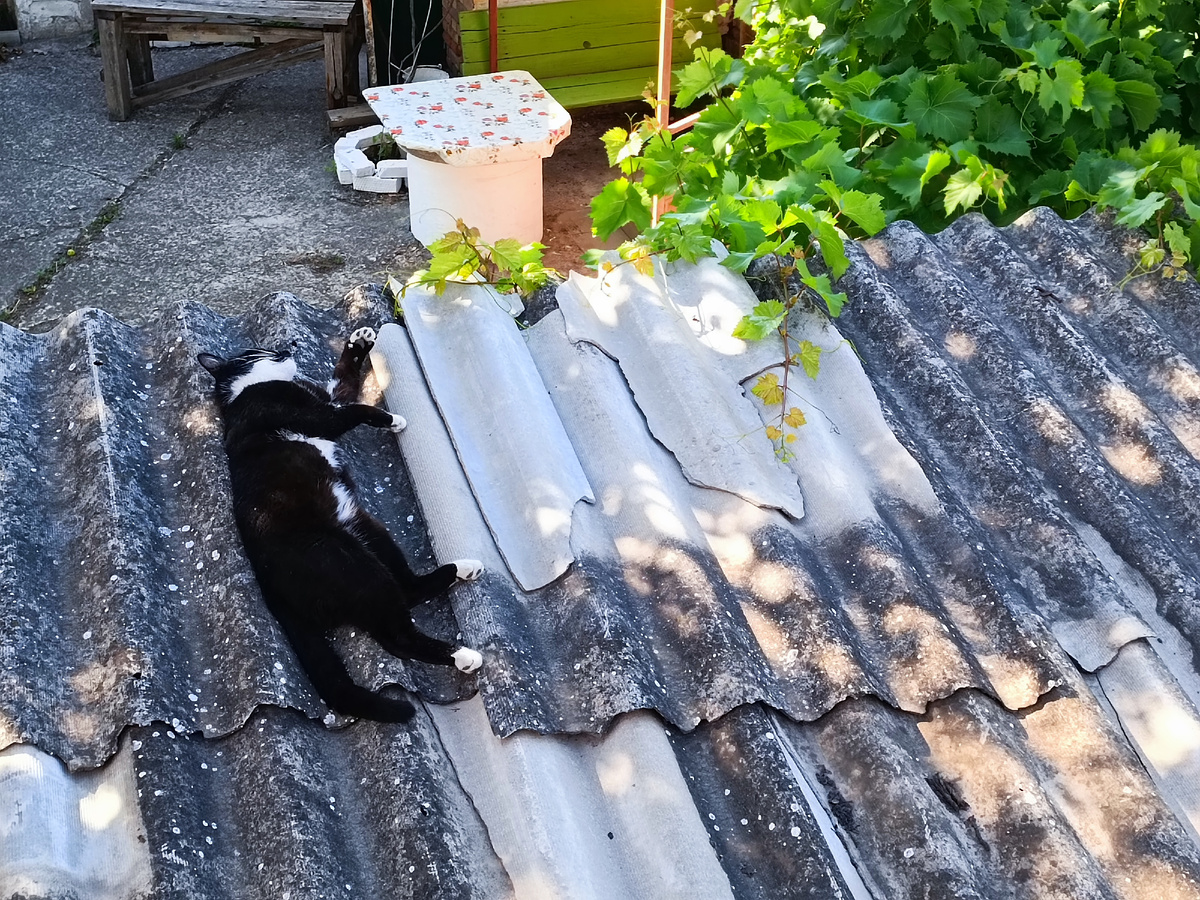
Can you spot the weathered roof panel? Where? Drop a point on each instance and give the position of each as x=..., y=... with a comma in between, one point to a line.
x=889, y=697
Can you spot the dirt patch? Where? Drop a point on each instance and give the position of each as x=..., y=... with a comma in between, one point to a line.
x=575, y=174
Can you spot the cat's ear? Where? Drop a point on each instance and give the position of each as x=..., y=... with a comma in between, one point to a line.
x=210, y=362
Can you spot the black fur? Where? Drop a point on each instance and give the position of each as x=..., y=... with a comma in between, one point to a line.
x=318, y=571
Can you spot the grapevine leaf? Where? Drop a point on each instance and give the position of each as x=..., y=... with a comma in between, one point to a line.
x=1121, y=187
x=1050, y=184
x=865, y=210
x=1084, y=27
x=882, y=112
x=941, y=43
x=764, y=319
x=690, y=243
x=810, y=358
x=823, y=227
x=962, y=190
x=831, y=160
x=773, y=432
x=643, y=265
x=1177, y=239
x=834, y=301
x=704, y=76
x=717, y=128
x=941, y=106
x=619, y=202
x=506, y=253
x=1141, y=100
x=767, y=99
x=998, y=127
x=1093, y=169
x=1076, y=191
x=795, y=417
x=1142, y=209
x=910, y=177
x=1064, y=88
x=593, y=258
x=739, y=262
x=861, y=86
x=889, y=18
x=955, y=12
x=768, y=389
x=615, y=141
x=1027, y=80
x=1099, y=97
x=1189, y=206
x=458, y=261
x=1046, y=51
x=788, y=134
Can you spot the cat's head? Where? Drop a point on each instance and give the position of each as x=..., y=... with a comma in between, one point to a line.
x=254, y=366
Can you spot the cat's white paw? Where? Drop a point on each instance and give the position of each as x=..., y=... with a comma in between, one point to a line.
x=399, y=423
x=466, y=659
x=363, y=335
x=468, y=569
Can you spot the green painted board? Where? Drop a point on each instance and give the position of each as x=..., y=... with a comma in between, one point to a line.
x=585, y=52
x=575, y=92
x=574, y=12
x=595, y=59
x=475, y=44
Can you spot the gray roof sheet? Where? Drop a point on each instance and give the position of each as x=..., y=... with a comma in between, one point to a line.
x=966, y=671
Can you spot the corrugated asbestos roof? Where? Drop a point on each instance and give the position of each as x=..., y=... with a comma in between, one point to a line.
x=946, y=652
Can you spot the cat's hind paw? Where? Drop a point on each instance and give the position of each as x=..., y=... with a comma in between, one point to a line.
x=399, y=423
x=466, y=659
x=468, y=569
x=363, y=339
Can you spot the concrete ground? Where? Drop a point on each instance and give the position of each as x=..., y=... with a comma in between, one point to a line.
x=220, y=197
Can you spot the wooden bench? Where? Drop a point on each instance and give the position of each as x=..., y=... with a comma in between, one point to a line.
x=283, y=32
x=585, y=52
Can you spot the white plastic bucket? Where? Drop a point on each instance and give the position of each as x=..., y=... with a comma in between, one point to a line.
x=502, y=200
x=429, y=73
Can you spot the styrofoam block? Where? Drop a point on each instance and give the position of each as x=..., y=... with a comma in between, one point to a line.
x=392, y=168
x=354, y=160
x=345, y=176
x=378, y=185
x=363, y=137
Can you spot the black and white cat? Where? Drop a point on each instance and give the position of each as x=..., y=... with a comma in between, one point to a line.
x=321, y=560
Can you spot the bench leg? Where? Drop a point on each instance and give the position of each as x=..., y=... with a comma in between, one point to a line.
x=141, y=67
x=337, y=51
x=114, y=56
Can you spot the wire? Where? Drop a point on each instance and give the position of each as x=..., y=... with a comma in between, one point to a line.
x=414, y=55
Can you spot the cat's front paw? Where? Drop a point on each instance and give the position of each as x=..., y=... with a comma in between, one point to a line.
x=362, y=340
x=466, y=659
x=399, y=423
x=468, y=569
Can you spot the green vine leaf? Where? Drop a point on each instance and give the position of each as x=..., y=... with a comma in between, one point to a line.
x=941, y=106
x=620, y=201
x=763, y=320
x=810, y=358
x=1143, y=208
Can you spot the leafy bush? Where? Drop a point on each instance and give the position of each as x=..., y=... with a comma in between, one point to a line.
x=846, y=114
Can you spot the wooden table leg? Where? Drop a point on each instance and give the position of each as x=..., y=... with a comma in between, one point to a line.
x=114, y=58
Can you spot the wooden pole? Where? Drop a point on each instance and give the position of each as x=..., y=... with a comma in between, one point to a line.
x=666, y=37
x=493, y=34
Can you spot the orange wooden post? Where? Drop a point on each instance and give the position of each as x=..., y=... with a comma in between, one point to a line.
x=662, y=106
x=666, y=39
